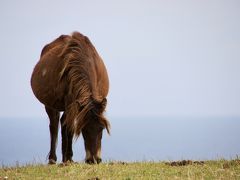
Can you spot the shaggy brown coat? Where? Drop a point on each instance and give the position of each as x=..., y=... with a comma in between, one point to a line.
x=71, y=76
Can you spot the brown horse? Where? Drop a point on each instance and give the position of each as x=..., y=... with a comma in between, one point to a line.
x=71, y=77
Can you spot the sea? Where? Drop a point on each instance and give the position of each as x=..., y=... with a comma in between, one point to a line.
x=26, y=140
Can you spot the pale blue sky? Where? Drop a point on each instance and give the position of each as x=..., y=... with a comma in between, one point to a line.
x=164, y=58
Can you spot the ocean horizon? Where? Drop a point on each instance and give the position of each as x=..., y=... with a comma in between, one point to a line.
x=27, y=140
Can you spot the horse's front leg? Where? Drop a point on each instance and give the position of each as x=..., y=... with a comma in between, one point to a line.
x=67, y=137
x=69, y=146
x=53, y=127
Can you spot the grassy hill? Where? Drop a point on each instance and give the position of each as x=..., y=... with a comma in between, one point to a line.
x=221, y=169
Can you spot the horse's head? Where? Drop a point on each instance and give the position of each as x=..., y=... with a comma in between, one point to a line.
x=92, y=132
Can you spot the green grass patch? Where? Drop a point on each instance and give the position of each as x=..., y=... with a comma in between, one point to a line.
x=220, y=169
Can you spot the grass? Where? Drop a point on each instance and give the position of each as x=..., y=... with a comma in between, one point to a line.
x=220, y=169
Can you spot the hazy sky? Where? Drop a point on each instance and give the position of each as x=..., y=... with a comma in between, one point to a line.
x=164, y=58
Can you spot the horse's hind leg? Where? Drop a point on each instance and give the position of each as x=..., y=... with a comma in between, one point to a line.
x=64, y=138
x=53, y=127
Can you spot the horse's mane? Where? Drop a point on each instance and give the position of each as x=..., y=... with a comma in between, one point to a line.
x=78, y=55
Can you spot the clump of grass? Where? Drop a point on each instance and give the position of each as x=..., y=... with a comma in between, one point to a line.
x=220, y=169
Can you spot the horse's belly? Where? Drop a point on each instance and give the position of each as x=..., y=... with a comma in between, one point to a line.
x=46, y=85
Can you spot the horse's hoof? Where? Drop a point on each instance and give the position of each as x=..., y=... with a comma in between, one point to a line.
x=63, y=164
x=66, y=163
x=90, y=161
x=70, y=161
x=51, y=161
x=93, y=161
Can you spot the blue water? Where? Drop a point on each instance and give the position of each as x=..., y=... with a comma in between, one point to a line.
x=25, y=141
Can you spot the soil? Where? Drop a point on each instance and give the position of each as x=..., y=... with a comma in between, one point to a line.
x=184, y=163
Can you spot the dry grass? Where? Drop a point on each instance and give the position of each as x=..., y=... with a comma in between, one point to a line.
x=221, y=169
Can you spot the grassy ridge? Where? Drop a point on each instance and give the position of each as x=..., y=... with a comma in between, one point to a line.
x=221, y=169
